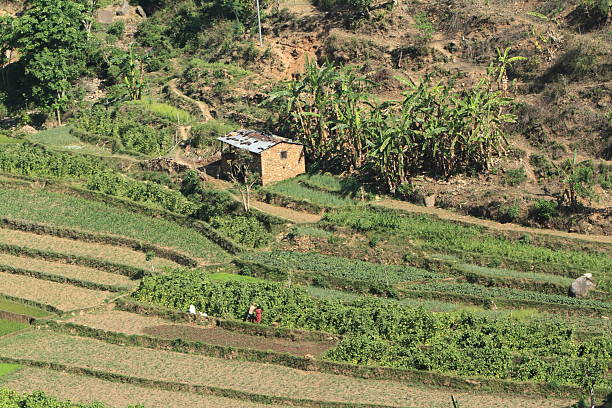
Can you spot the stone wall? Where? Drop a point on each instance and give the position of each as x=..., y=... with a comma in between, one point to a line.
x=276, y=168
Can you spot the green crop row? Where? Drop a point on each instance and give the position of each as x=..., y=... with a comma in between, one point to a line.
x=448, y=237
x=493, y=293
x=340, y=267
x=74, y=212
x=401, y=326
x=296, y=190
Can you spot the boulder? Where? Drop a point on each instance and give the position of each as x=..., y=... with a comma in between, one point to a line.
x=581, y=287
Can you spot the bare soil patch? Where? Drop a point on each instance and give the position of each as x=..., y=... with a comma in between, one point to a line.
x=83, y=390
x=130, y=323
x=59, y=295
x=67, y=270
x=251, y=377
x=110, y=253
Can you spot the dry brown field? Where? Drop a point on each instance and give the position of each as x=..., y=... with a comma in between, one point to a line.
x=110, y=253
x=67, y=270
x=59, y=295
x=251, y=377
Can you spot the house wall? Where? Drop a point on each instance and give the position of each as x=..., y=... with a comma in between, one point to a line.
x=274, y=168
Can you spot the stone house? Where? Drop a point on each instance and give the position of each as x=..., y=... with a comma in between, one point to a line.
x=274, y=158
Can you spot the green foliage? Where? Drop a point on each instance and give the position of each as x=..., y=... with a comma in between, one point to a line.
x=514, y=177
x=117, y=28
x=493, y=293
x=218, y=76
x=424, y=27
x=51, y=42
x=163, y=110
x=7, y=369
x=20, y=308
x=118, y=185
x=7, y=327
x=340, y=267
x=543, y=168
x=331, y=112
x=544, y=210
x=449, y=237
x=510, y=211
x=33, y=160
x=129, y=129
x=578, y=179
x=92, y=216
x=245, y=230
x=206, y=134
x=38, y=399
x=381, y=333
x=294, y=189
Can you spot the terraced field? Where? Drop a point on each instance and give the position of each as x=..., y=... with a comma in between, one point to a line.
x=67, y=270
x=80, y=389
x=41, y=206
x=249, y=377
x=118, y=254
x=61, y=296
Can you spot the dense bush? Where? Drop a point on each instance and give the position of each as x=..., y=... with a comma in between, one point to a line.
x=245, y=230
x=544, y=210
x=131, y=129
x=121, y=186
x=396, y=335
x=34, y=160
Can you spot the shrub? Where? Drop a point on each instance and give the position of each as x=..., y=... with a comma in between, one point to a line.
x=544, y=210
x=514, y=177
x=510, y=211
x=542, y=167
x=117, y=28
x=245, y=230
x=424, y=26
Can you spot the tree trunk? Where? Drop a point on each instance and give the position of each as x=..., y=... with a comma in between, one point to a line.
x=59, y=117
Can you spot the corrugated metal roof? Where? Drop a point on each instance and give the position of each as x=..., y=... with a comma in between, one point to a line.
x=253, y=140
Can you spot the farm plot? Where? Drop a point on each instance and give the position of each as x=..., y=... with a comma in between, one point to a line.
x=130, y=323
x=66, y=211
x=281, y=381
x=110, y=253
x=20, y=308
x=7, y=326
x=340, y=267
x=80, y=389
x=67, y=270
x=61, y=296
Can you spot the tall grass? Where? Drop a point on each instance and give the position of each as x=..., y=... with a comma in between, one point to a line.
x=294, y=189
x=61, y=210
x=165, y=111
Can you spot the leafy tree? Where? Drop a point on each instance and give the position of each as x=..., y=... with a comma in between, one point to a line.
x=51, y=41
x=7, y=39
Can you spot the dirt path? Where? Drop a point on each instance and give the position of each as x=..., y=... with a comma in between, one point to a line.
x=130, y=323
x=286, y=213
x=452, y=216
x=203, y=108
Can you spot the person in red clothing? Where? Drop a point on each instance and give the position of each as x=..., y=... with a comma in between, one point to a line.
x=258, y=313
